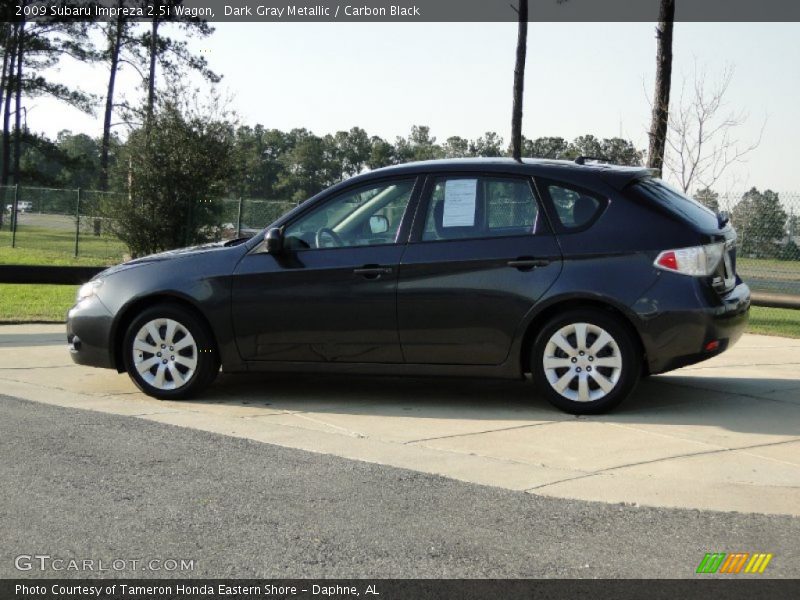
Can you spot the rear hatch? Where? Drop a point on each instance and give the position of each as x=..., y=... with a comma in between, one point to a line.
x=714, y=226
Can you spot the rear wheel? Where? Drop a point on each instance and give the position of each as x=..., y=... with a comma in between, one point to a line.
x=585, y=361
x=169, y=353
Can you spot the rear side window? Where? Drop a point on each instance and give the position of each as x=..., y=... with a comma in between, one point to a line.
x=574, y=207
x=655, y=190
x=479, y=207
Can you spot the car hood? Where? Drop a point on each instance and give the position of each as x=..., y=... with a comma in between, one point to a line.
x=171, y=255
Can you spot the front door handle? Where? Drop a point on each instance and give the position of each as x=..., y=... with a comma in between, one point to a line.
x=372, y=271
x=526, y=264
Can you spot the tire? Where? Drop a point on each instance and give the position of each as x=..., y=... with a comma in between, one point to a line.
x=184, y=365
x=595, y=381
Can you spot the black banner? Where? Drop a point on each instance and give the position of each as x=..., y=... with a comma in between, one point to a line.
x=733, y=588
x=48, y=275
x=370, y=11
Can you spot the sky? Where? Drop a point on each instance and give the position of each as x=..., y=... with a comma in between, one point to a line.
x=581, y=78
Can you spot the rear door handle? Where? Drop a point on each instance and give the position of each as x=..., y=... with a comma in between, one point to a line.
x=525, y=264
x=372, y=271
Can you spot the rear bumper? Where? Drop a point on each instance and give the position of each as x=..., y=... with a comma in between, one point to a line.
x=89, y=332
x=684, y=322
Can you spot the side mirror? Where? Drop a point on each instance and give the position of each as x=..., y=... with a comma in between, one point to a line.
x=378, y=224
x=274, y=240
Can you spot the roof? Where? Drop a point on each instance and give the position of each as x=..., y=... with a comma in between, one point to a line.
x=614, y=175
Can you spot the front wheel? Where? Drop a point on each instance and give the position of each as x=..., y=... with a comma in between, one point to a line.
x=585, y=361
x=169, y=353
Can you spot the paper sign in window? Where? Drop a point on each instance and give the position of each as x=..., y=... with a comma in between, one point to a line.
x=459, y=202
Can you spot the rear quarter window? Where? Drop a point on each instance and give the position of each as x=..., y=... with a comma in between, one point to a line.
x=574, y=207
x=676, y=202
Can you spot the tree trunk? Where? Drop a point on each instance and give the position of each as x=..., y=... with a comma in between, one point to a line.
x=18, y=99
x=6, y=52
x=660, y=117
x=5, y=170
x=3, y=78
x=112, y=78
x=519, y=81
x=151, y=81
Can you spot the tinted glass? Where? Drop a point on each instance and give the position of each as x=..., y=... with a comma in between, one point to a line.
x=366, y=216
x=574, y=208
x=479, y=207
x=677, y=202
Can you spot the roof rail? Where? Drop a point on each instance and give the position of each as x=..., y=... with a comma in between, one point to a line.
x=581, y=160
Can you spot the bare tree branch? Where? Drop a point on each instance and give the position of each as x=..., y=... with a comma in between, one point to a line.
x=701, y=137
x=136, y=68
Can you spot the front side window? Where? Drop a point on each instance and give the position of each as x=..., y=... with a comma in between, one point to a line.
x=479, y=207
x=365, y=216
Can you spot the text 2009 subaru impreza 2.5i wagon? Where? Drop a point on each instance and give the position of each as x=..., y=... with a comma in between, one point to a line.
x=586, y=276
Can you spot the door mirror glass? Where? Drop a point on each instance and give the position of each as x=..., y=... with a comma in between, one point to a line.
x=378, y=224
x=273, y=240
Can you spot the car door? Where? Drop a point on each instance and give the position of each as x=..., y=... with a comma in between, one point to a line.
x=331, y=294
x=481, y=255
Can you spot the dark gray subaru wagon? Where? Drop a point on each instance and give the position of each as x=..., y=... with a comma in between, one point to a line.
x=585, y=276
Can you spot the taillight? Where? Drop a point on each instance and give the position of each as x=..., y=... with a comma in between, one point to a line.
x=697, y=261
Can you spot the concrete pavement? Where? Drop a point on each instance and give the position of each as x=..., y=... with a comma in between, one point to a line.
x=84, y=485
x=722, y=435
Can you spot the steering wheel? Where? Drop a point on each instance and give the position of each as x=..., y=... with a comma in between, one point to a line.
x=332, y=235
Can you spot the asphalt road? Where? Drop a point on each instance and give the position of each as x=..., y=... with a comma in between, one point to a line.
x=87, y=485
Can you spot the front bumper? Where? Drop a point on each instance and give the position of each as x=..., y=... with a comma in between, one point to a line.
x=683, y=321
x=89, y=333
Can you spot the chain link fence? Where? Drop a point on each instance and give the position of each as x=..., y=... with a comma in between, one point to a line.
x=63, y=225
x=57, y=225
x=247, y=216
x=70, y=225
x=768, y=239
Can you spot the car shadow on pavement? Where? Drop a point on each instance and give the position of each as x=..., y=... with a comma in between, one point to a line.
x=751, y=405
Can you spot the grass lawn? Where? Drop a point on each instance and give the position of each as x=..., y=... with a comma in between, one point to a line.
x=29, y=302
x=775, y=321
x=20, y=303
x=54, y=244
x=43, y=246
x=788, y=268
x=49, y=246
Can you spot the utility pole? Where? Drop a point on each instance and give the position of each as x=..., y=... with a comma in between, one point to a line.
x=519, y=81
x=660, y=116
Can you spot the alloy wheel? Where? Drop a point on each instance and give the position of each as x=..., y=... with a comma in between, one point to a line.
x=582, y=362
x=165, y=354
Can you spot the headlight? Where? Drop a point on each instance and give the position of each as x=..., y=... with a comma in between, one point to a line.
x=87, y=290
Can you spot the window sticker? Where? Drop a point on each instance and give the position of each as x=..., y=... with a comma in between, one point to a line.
x=459, y=202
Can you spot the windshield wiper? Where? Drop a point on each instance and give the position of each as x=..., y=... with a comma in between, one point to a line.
x=236, y=242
